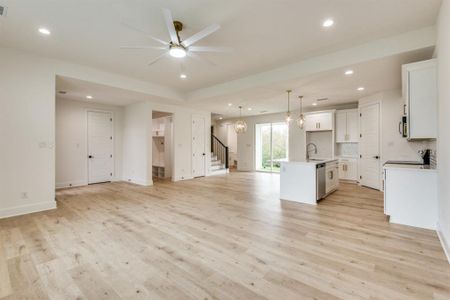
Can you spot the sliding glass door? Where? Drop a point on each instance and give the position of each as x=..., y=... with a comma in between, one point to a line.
x=272, y=144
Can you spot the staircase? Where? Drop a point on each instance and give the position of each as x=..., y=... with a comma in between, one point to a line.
x=219, y=157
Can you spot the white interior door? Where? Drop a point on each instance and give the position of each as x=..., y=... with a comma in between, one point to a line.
x=100, y=146
x=198, y=146
x=370, y=146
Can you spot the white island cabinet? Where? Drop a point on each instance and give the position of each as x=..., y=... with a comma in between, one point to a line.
x=410, y=195
x=308, y=181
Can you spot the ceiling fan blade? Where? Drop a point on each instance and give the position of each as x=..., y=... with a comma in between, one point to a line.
x=157, y=58
x=146, y=33
x=210, y=49
x=202, y=59
x=143, y=47
x=169, y=23
x=200, y=35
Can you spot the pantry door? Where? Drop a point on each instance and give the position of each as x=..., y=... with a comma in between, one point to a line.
x=370, y=159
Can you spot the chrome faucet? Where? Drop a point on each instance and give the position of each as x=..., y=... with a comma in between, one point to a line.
x=307, y=150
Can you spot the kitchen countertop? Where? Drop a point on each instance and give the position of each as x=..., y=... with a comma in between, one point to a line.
x=311, y=162
x=424, y=168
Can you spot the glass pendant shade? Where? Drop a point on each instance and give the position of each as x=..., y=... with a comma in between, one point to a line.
x=288, y=114
x=288, y=118
x=301, y=119
x=240, y=126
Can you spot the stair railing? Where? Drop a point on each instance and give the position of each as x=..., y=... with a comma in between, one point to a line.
x=220, y=150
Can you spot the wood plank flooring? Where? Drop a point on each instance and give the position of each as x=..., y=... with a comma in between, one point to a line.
x=221, y=237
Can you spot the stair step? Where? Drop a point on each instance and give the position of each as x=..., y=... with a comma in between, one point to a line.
x=216, y=162
x=217, y=167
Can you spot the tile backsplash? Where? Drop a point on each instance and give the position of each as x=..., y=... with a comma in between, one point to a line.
x=347, y=149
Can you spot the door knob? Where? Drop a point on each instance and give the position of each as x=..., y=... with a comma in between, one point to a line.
x=90, y=156
x=376, y=157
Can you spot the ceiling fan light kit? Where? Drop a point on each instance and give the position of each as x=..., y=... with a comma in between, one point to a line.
x=177, y=51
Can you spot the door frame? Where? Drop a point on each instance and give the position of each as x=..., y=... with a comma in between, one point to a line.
x=205, y=167
x=362, y=104
x=88, y=110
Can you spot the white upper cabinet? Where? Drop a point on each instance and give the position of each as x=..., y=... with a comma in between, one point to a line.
x=420, y=93
x=319, y=121
x=347, y=128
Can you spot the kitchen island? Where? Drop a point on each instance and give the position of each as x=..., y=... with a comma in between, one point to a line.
x=308, y=181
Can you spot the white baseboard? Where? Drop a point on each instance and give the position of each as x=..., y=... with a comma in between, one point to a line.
x=66, y=184
x=27, y=209
x=444, y=241
x=139, y=181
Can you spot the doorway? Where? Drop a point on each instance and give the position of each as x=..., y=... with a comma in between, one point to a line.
x=369, y=124
x=162, y=145
x=271, y=146
x=100, y=146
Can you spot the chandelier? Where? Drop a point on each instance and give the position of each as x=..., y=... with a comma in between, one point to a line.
x=240, y=126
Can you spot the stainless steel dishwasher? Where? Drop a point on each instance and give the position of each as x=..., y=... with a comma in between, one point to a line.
x=320, y=181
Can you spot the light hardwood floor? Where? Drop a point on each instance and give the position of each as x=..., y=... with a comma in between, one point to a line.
x=222, y=237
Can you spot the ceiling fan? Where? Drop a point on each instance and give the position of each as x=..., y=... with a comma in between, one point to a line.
x=177, y=47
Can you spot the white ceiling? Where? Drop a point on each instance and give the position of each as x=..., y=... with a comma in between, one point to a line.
x=79, y=89
x=376, y=76
x=264, y=34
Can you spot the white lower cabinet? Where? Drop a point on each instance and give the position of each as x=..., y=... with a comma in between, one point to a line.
x=348, y=169
x=332, y=176
x=410, y=196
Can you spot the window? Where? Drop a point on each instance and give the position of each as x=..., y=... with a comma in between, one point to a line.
x=272, y=146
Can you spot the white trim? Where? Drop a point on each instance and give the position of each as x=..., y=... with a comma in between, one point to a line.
x=139, y=181
x=444, y=242
x=27, y=209
x=66, y=184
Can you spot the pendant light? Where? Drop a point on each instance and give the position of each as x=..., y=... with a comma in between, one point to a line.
x=240, y=126
x=288, y=114
x=301, y=119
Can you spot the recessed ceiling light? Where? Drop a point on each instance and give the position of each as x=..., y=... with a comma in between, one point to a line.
x=328, y=23
x=361, y=88
x=349, y=72
x=89, y=97
x=183, y=76
x=220, y=118
x=249, y=108
x=314, y=104
x=230, y=104
x=44, y=31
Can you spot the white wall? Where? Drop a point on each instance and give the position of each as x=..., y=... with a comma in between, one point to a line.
x=71, y=141
x=27, y=130
x=137, y=147
x=137, y=141
x=443, y=152
x=27, y=126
